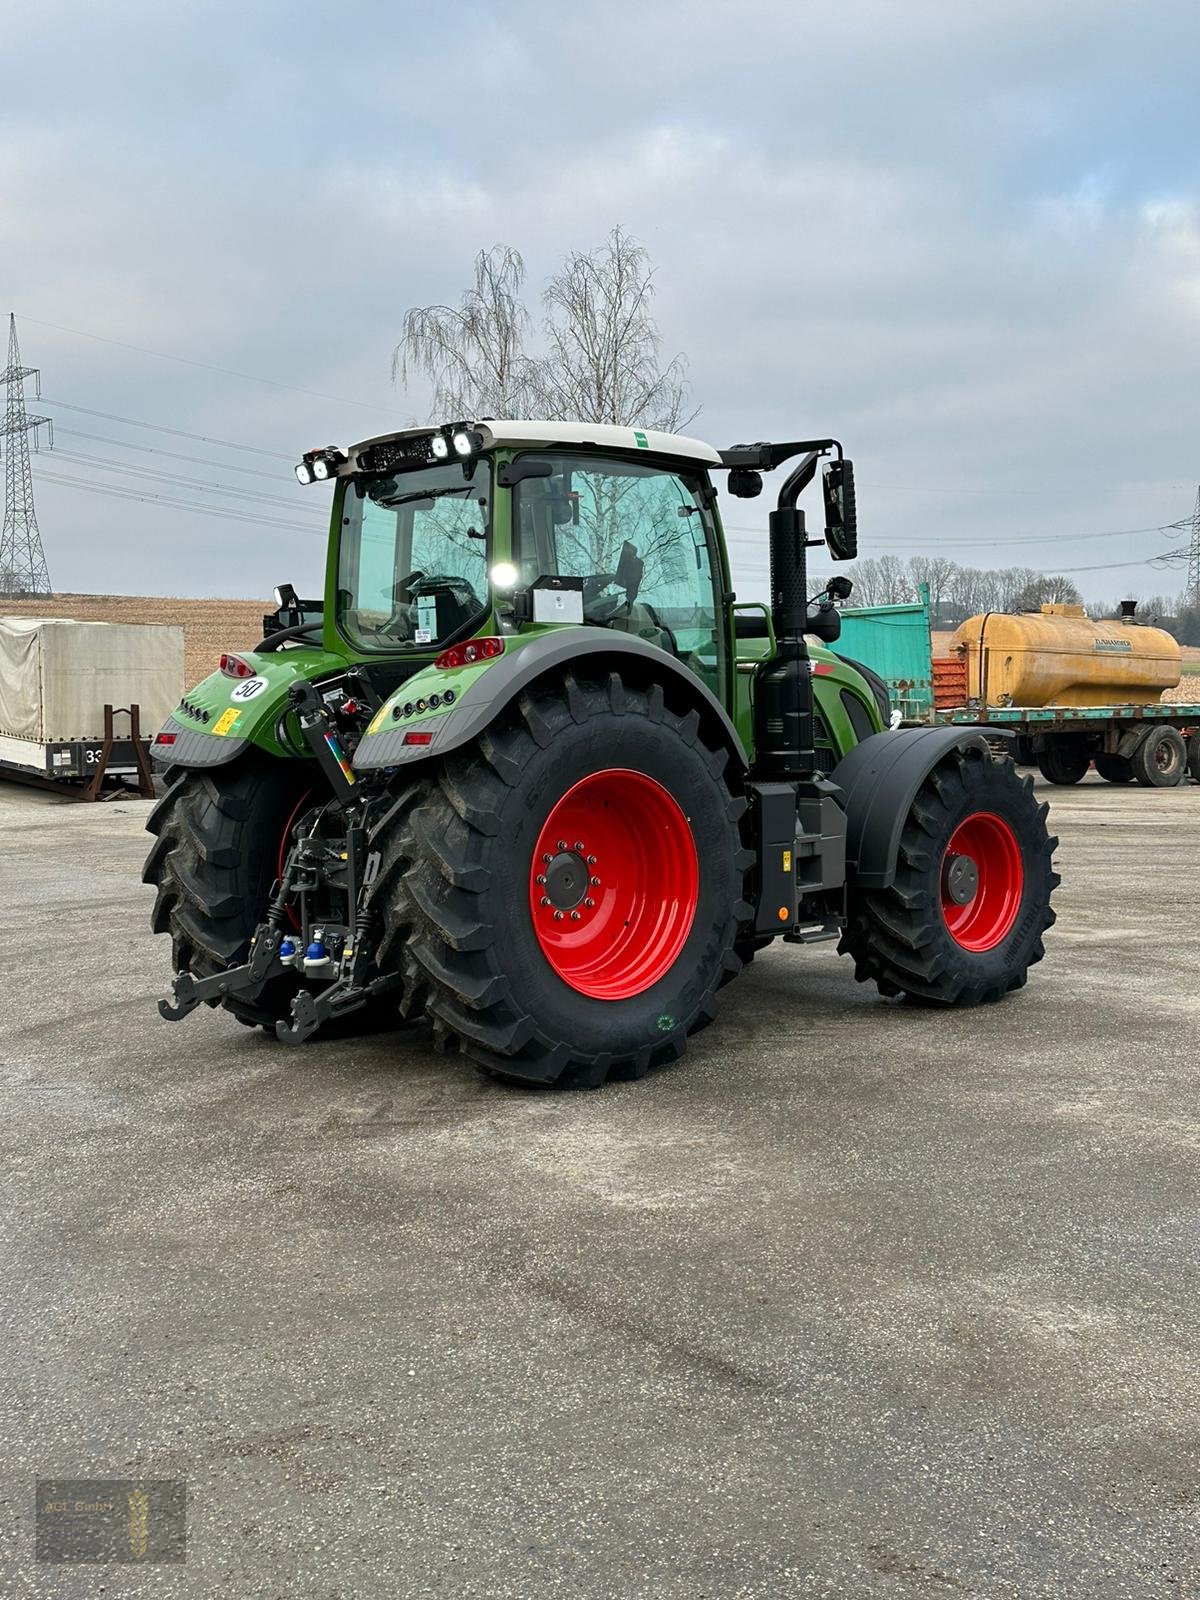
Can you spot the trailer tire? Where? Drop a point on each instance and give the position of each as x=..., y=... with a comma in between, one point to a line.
x=1159, y=761
x=214, y=860
x=1114, y=769
x=483, y=947
x=1193, y=755
x=1064, y=760
x=916, y=939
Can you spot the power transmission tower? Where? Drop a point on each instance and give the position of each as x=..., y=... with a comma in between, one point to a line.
x=1191, y=588
x=22, y=560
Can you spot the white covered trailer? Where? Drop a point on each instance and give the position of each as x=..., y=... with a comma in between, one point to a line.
x=56, y=677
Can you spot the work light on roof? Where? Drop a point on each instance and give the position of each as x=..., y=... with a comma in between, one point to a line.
x=463, y=442
x=440, y=446
x=304, y=472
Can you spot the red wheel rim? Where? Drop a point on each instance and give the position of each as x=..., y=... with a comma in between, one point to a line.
x=613, y=884
x=284, y=842
x=982, y=876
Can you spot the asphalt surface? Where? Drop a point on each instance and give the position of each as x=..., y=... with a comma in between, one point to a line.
x=856, y=1301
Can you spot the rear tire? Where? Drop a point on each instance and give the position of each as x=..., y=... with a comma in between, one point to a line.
x=214, y=861
x=458, y=892
x=1063, y=761
x=1193, y=756
x=1114, y=769
x=902, y=937
x=1160, y=760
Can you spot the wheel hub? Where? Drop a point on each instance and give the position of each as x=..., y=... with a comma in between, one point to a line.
x=566, y=880
x=960, y=879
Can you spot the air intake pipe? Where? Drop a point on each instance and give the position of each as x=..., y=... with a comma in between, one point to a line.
x=783, y=700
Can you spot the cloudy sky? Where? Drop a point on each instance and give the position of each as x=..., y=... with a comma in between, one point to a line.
x=965, y=238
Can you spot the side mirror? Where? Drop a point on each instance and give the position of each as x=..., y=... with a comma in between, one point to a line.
x=841, y=516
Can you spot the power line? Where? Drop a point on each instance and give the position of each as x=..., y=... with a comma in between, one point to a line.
x=180, y=433
x=171, y=455
x=1065, y=538
x=202, y=484
x=166, y=500
x=208, y=366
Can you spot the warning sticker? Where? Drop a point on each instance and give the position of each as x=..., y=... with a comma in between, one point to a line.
x=227, y=720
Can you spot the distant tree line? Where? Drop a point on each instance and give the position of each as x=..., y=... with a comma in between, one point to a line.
x=956, y=593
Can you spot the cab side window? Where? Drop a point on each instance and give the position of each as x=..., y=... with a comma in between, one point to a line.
x=639, y=538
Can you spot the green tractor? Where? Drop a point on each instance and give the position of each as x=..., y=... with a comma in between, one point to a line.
x=530, y=770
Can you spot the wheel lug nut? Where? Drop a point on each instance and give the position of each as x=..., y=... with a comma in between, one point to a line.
x=579, y=847
x=595, y=883
x=591, y=861
x=545, y=901
x=574, y=916
x=589, y=901
x=541, y=877
x=562, y=844
x=558, y=916
x=546, y=859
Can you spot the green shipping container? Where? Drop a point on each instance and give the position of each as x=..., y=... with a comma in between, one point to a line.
x=894, y=642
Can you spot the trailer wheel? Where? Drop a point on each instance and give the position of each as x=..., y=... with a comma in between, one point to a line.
x=216, y=855
x=964, y=919
x=1064, y=760
x=1193, y=755
x=1114, y=769
x=1160, y=760
x=564, y=896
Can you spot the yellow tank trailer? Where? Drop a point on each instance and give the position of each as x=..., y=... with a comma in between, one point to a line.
x=1059, y=657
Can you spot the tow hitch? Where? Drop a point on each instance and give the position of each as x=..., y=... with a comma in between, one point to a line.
x=322, y=867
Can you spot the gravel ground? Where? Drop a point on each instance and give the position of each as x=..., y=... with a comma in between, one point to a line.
x=857, y=1301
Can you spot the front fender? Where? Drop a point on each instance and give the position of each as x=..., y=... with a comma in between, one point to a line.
x=880, y=778
x=480, y=693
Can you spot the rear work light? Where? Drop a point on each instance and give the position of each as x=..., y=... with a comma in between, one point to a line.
x=234, y=667
x=462, y=655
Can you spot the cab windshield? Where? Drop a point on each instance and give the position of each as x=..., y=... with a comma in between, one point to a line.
x=412, y=563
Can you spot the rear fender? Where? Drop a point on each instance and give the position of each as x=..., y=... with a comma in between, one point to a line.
x=879, y=779
x=484, y=690
x=221, y=717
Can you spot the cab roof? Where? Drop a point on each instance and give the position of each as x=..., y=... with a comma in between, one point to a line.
x=598, y=435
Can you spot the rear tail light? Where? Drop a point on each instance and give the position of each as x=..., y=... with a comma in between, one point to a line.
x=418, y=738
x=234, y=667
x=462, y=655
x=164, y=738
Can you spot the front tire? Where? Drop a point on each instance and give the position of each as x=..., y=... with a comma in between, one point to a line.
x=530, y=966
x=963, y=921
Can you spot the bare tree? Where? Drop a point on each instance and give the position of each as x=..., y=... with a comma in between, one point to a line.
x=474, y=352
x=937, y=572
x=602, y=358
x=1042, y=590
